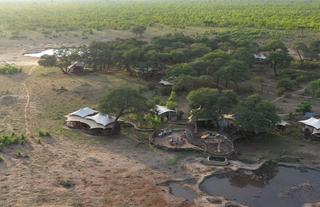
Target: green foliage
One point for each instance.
(10, 69)
(279, 58)
(138, 30)
(188, 83)
(100, 15)
(313, 88)
(172, 101)
(12, 139)
(121, 101)
(43, 133)
(179, 70)
(48, 60)
(286, 84)
(256, 116)
(209, 103)
(304, 107)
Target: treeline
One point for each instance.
(97, 15)
(191, 62)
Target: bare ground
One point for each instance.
(70, 168)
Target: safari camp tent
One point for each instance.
(76, 67)
(260, 57)
(166, 113)
(165, 83)
(91, 121)
(311, 127)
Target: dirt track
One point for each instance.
(72, 169)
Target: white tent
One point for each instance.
(312, 122)
(84, 112)
(104, 120)
(163, 109)
(165, 83)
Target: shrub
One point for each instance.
(10, 69)
(12, 139)
(304, 107)
(286, 84)
(313, 88)
(165, 91)
(47, 60)
(172, 100)
(43, 133)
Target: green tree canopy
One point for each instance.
(121, 101)
(279, 58)
(211, 104)
(256, 116)
(138, 30)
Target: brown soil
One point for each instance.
(70, 168)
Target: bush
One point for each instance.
(12, 139)
(286, 84)
(304, 107)
(313, 88)
(165, 91)
(10, 69)
(47, 60)
(43, 133)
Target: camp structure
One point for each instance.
(282, 125)
(91, 121)
(76, 67)
(165, 83)
(260, 57)
(311, 127)
(166, 113)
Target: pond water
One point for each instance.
(39, 54)
(279, 186)
(179, 189)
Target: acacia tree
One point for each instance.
(256, 116)
(122, 101)
(300, 48)
(314, 49)
(235, 71)
(279, 58)
(138, 30)
(211, 103)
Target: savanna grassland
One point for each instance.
(43, 163)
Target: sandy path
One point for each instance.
(63, 171)
(27, 98)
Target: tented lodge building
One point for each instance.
(91, 121)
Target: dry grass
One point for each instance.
(71, 168)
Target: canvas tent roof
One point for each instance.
(166, 83)
(163, 109)
(260, 56)
(282, 123)
(84, 112)
(99, 118)
(312, 122)
(92, 124)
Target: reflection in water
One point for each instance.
(258, 178)
(275, 186)
(179, 189)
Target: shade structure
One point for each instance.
(312, 122)
(84, 112)
(163, 109)
(101, 119)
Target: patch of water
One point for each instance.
(277, 187)
(179, 189)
